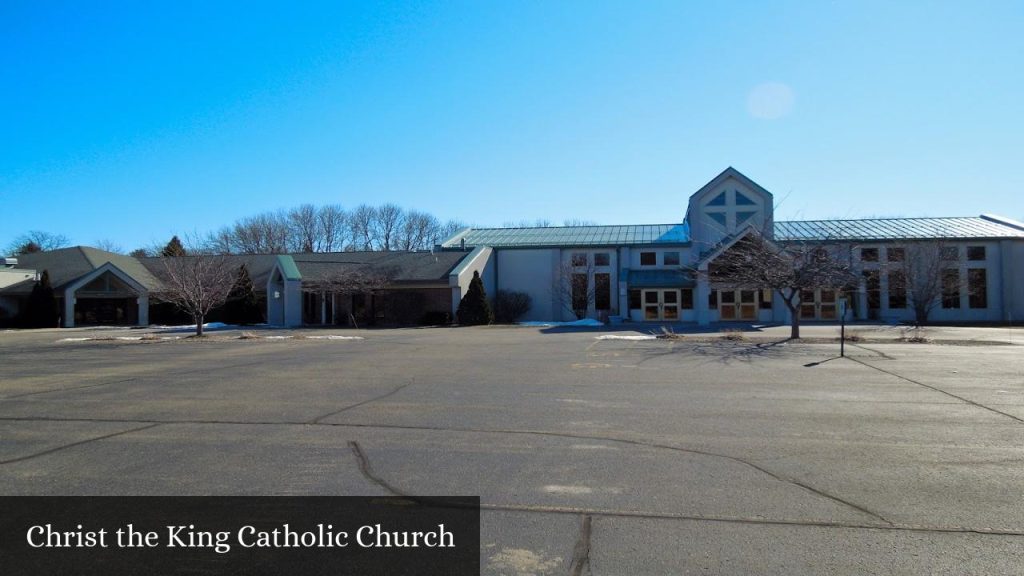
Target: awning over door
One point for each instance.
(660, 279)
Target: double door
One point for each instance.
(661, 304)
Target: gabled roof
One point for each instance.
(405, 266)
(554, 236)
(66, 265)
(731, 172)
(981, 227)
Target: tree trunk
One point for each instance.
(199, 325)
(794, 313)
(920, 316)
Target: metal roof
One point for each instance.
(572, 236)
(867, 229)
(896, 228)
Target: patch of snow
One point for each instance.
(73, 339)
(190, 327)
(626, 337)
(276, 337)
(128, 338)
(570, 490)
(335, 337)
(583, 322)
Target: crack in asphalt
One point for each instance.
(367, 470)
(776, 476)
(79, 443)
(69, 389)
(581, 551)
(318, 419)
(940, 391)
(632, 442)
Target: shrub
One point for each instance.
(733, 334)
(242, 305)
(41, 310)
(474, 308)
(510, 306)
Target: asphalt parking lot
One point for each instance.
(590, 456)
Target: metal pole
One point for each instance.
(842, 327)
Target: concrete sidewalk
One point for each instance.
(818, 331)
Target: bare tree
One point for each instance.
(419, 231)
(197, 284)
(755, 262)
(36, 241)
(353, 279)
(362, 223)
(220, 242)
(538, 223)
(108, 245)
(923, 265)
(332, 220)
(449, 228)
(389, 223)
(267, 233)
(578, 222)
(572, 288)
(304, 224)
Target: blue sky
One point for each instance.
(131, 121)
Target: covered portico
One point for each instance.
(106, 296)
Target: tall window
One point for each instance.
(648, 258)
(873, 285)
(977, 288)
(687, 300)
(951, 288)
(602, 291)
(580, 301)
(897, 289)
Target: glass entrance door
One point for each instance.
(661, 304)
(737, 305)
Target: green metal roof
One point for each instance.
(288, 268)
(572, 236)
(671, 278)
(898, 229)
(984, 226)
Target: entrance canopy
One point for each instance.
(661, 279)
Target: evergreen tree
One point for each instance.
(173, 248)
(242, 306)
(41, 310)
(474, 308)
